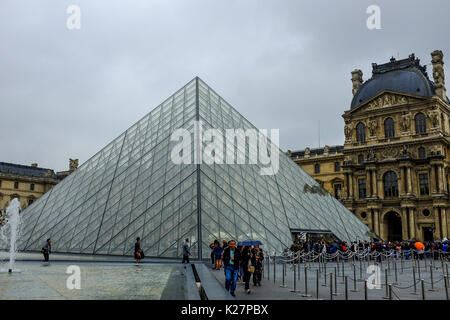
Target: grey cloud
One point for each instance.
(282, 64)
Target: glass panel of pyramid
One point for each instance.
(132, 188)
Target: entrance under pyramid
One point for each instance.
(132, 188)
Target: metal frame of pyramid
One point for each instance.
(131, 188)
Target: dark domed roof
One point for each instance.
(406, 76)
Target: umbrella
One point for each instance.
(419, 245)
(250, 242)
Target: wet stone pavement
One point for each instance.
(99, 280)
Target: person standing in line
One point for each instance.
(46, 249)
(186, 252)
(218, 255)
(213, 261)
(231, 260)
(257, 261)
(138, 252)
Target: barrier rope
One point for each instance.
(311, 256)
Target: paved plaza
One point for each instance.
(402, 288)
(159, 279)
(99, 280)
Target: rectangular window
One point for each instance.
(30, 201)
(32, 186)
(0, 183)
(317, 168)
(16, 185)
(423, 184)
(360, 159)
(337, 166)
(362, 188)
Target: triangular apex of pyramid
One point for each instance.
(133, 188)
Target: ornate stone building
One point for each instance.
(392, 171)
(27, 183)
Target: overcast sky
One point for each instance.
(282, 64)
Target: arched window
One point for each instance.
(420, 121)
(389, 129)
(360, 132)
(422, 153)
(390, 184)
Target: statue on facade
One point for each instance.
(307, 152)
(434, 118)
(371, 155)
(348, 130)
(373, 125)
(404, 150)
(405, 122)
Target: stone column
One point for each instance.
(380, 189)
(409, 180)
(441, 177)
(368, 185)
(437, 225)
(444, 175)
(377, 221)
(345, 187)
(401, 186)
(350, 185)
(444, 223)
(374, 184)
(412, 223)
(433, 179)
(404, 224)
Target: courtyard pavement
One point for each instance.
(403, 289)
(99, 280)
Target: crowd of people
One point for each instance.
(240, 262)
(434, 249)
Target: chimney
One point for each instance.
(34, 165)
(438, 74)
(357, 80)
(73, 164)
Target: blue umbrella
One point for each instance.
(250, 242)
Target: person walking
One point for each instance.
(138, 252)
(186, 252)
(245, 264)
(257, 262)
(46, 249)
(231, 259)
(240, 271)
(224, 245)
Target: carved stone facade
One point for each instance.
(27, 183)
(393, 171)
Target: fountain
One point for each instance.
(13, 226)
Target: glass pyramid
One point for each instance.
(132, 188)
